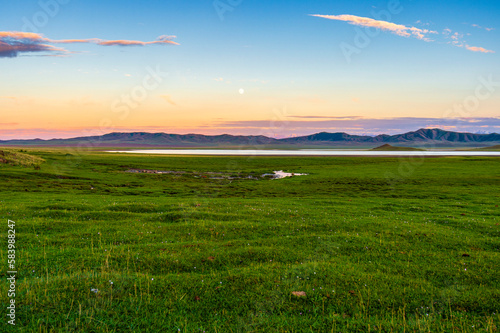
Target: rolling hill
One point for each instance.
(421, 137)
(388, 147)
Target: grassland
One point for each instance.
(377, 244)
(19, 158)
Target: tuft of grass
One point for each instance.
(20, 158)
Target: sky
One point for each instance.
(71, 68)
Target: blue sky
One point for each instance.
(257, 67)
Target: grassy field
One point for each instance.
(19, 158)
(376, 244)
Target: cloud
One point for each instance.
(13, 44)
(394, 28)
(478, 49)
(272, 127)
(75, 41)
(480, 27)
(359, 125)
(159, 40)
(327, 117)
(456, 39)
(423, 23)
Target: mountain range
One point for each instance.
(421, 137)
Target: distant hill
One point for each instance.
(388, 147)
(436, 137)
(420, 136)
(141, 139)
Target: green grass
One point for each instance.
(19, 158)
(377, 244)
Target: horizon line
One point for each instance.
(249, 135)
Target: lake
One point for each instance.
(306, 152)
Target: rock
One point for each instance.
(299, 293)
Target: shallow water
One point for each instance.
(306, 152)
(281, 174)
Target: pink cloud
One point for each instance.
(478, 49)
(160, 40)
(481, 27)
(457, 39)
(394, 28)
(13, 43)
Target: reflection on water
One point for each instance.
(281, 174)
(218, 175)
(325, 152)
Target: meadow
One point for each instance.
(376, 244)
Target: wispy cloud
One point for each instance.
(327, 118)
(480, 27)
(285, 128)
(159, 40)
(13, 44)
(455, 38)
(423, 23)
(478, 49)
(397, 29)
(360, 125)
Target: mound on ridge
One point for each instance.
(388, 147)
